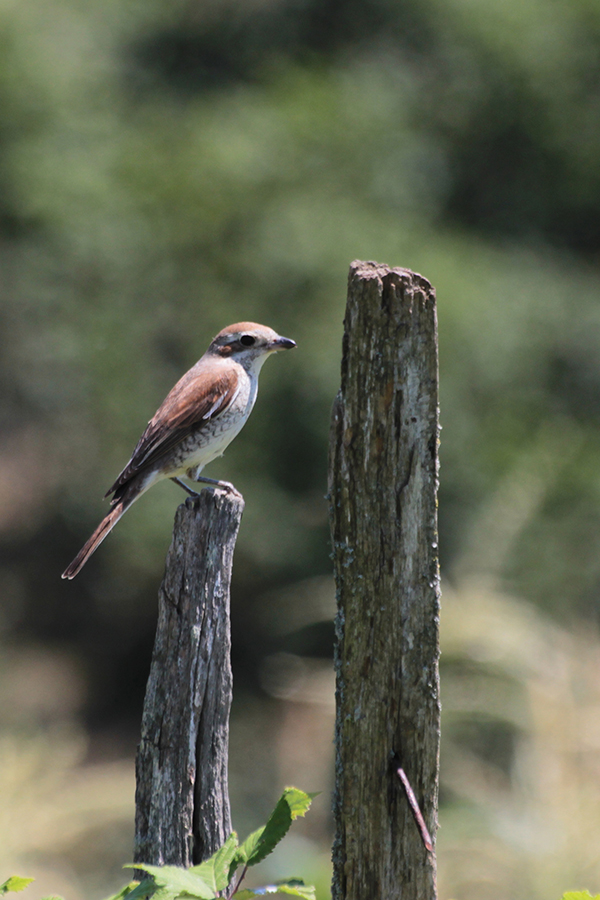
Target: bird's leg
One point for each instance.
(226, 485)
(185, 487)
(194, 475)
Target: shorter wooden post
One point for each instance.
(182, 800)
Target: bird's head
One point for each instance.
(248, 343)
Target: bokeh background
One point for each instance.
(167, 168)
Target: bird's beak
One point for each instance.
(283, 343)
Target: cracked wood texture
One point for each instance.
(182, 799)
(382, 483)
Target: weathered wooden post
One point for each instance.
(383, 482)
(182, 800)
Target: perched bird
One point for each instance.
(198, 419)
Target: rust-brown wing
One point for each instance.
(197, 398)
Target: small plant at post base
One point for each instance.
(221, 875)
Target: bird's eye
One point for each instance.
(247, 340)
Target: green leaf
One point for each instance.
(294, 888)
(299, 801)
(215, 871)
(207, 879)
(15, 883)
(206, 873)
(246, 850)
(136, 890)
(174, 880)
(260, 843)
(580, 895)
(168, 893)
(125, 891)
(308, 891)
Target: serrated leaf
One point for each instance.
(15, 883)
(292, 803)
(299, 801)
(176, 880)
(215, 870)
(250, 845)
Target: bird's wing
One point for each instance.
(195, 399)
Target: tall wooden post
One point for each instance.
(383, 482)
(182, 800)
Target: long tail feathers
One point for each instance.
(104, 528)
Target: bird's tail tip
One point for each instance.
(103, 529)
(82, 557)
(71, 571)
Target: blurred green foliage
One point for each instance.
(169, 168)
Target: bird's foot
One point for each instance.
(225, 485)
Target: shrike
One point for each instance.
(198, 419)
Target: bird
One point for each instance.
(198, 419)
